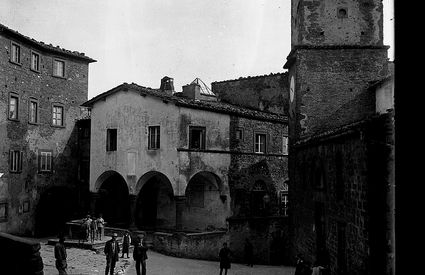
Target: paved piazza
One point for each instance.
(86, 262)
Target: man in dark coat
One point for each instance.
(140, 256)
(224, 256)
(248, 252)
(60, 255)
(112, 250)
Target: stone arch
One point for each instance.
(206, 202)
(113, 199)
(155, 204)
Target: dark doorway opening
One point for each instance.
(114, 201)
(54, 209)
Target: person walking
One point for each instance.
(93, 229)
(302, 267)
(112, 250)
(140, 256)
(248, 252)
(100, 226)
(224, 256)
(60, 256)
(126, 241)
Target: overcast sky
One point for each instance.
(143, 40)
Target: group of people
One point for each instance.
(92, 228)
(320, 266)
(111, 250)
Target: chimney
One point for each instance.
(167, 85)
(192, 91)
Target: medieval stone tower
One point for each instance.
(336, 50)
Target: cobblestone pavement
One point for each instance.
(87, 262)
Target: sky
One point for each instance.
(142, 41)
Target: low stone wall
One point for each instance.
(20, 255)
(205, 245)
(268, 235)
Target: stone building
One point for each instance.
(264, 92)
(341, 131)
(42, 88)
(166, 162)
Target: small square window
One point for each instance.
(260, 143)
(154, 137)
(15, 53)
(45, 160)
(196, 137)
(15, 161)
(57, 115)
(59, 68)
(3, 211)
(13, 107)
(111, 139)
(33, 111)
(35, 61)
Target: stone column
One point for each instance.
(180, 203)
(132, 201)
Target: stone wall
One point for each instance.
(348, 175)
(330, 22)
(267, 93)
(22, 190)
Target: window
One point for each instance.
(33, 111)
(260, 143)
(283, 202)
(58, 68)
(342, 13)
(13, 106)
(3, 211)
(154, 137)
(285, 145)
(15, 161)
(35, 61)
(45, 160)
(26, 206)
(15, 53)
(239, 134)
(57, 115)
(196, 137)
(111, 139)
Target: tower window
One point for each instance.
(342, 13)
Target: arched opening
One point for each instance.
(55, 207)
(205, 205)
(260, 199)
(155, 207)
(113, 201)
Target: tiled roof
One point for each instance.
(213, 106)
(46, 47)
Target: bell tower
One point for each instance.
(336, 51)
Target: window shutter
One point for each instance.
(39, 161)
(10, 160)
(159, 138)
(20, 161)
